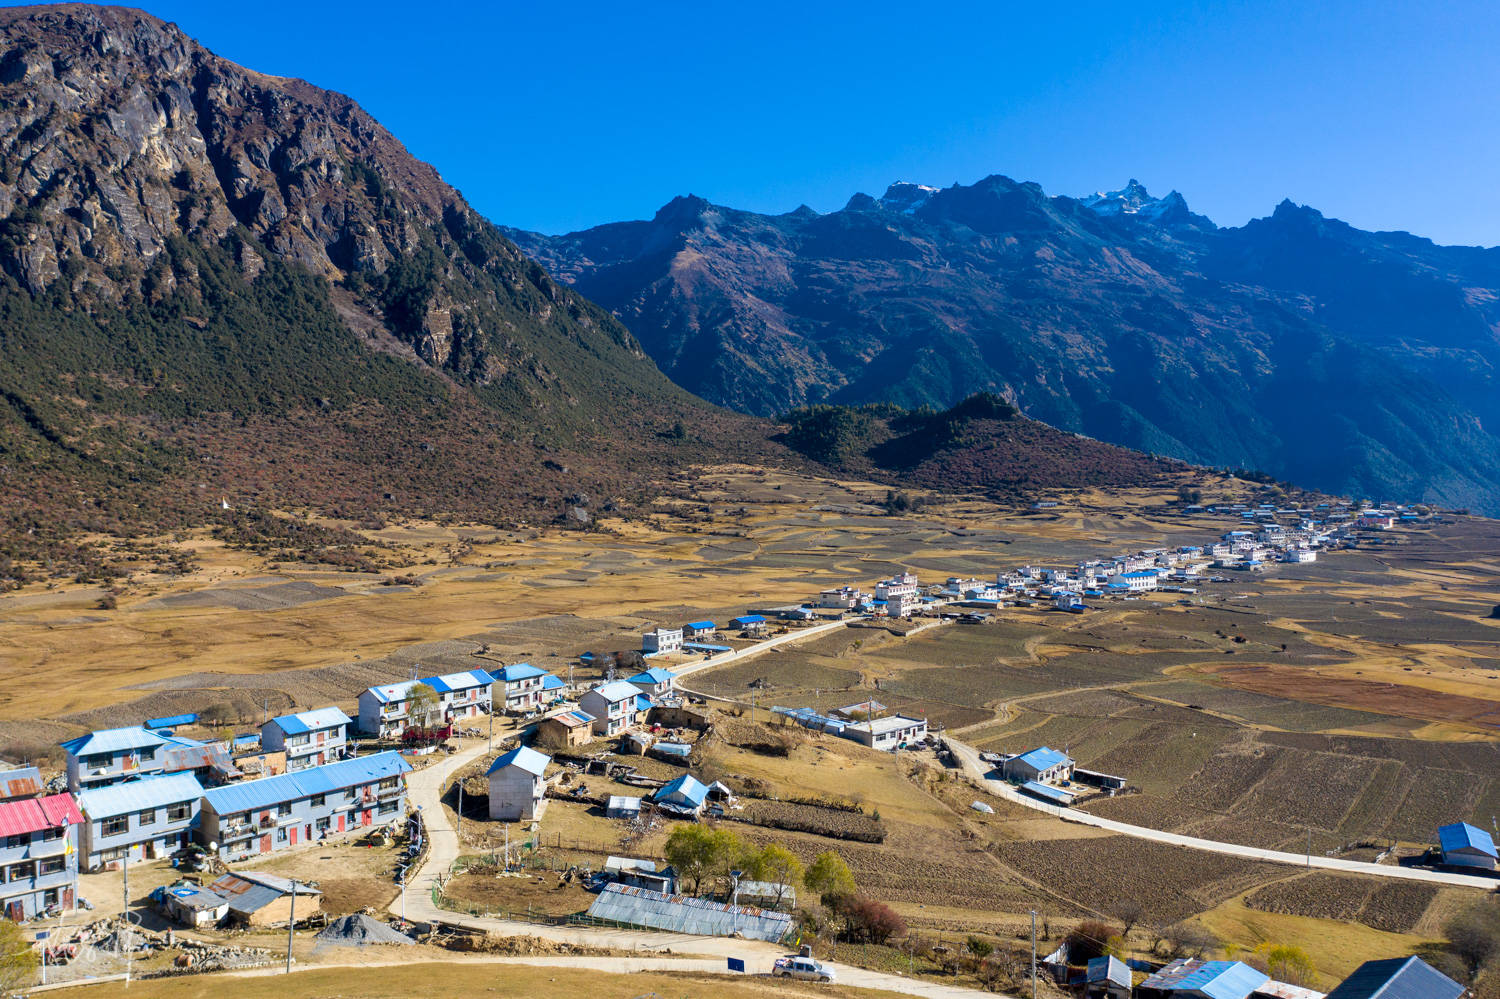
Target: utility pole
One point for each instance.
(291, 925)
(125, 913)
(1309, 846)
(1033, 954)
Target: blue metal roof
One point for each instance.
(748, 619)
(171, 721)
(139, 795)
(642, 702)
(655, 674)
(1214, 979)
(1138, 574)
(1462, 836)
(518, 671)
(310, 721)
(449, 682)
(525, 757)
(113, 740)
(249, 795)
(1050, 793)
(686, 789)
(699, 625)
(616, 690)
(1397, 978)
(1043, 758)
(1108, 969)
(550, 682)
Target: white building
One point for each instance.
(901, 604)
(612, 706)
(518, 786)
(897, 586)
(843, 598)
(309, 738)
(520, 687)
(1138, 581)
(662, 640)
(385, 710)
(1299, 555)
(887, 733)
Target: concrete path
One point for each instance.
(790, 638)
(978, 772)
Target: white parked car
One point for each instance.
(804, 968)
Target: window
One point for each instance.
(386, 808)
(114, 827)
(318, 800)
(52, 865)
(281, 835)
(148, 817)
(285, 808)
(16, 842)
(49, 897)
(323, 824)
(179, 812)
(52, 833)
(21, 872)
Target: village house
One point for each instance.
(145, 819)
(521, 687)
(612, 706)
(684, 795)
(902, 605)
(904, 585)
(261, 816)
(208, 761)
(1041, 765)
(384, 711)
(841, 598)
(309, 738)
(659, 641)
(38, 855)
(20, 782)
(1299, 555)
(1397, 978)
(655, 682)
(256, 900)
(1106, 978)
(112, 755)
(1138, 580)
(887, 733)
(518, 785)
(565, 730)
(699, 631)
(1464, 845)
(1190, 978)
(751, 624)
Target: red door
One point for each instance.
(292, 832)
(67, 898)
(265, 844)
(367, 818)
(341, 821)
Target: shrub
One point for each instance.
(1088, 940)
(869, 921)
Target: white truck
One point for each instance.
(804, 968)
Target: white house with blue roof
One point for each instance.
(661, 641)
(612, 706)
(384, 711)
(522, 687)
(1042, 765)
(699, 631)
(261, 816)
(145, 819)
(112, 755)
(656, 681)
(309, 738)
(1464, 845)
(518, 785)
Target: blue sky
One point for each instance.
(558, 116)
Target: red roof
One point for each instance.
(17, 818)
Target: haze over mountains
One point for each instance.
(1352, 361)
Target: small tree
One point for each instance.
(1286, 963)
(422, 704)
(1088, 940)
(869, 921)
(1474, 935)
(699, 852)
(18, 960)
(829, 877)
(1189, 940)
(775, 863)
(1128, 911)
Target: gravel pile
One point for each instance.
(359, 930)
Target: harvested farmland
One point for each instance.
(1395, 906)
(835, 823)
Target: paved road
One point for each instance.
(978, 772)
(425, 788)
(791, 637)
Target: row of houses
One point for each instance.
(1193, 978)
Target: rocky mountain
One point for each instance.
(220, 284)
(1352, 361)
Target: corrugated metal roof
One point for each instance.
(1043, 758)
(1462, 836)
(686, 790)
(139, 795)
(467, 680)
(310, 721)
(656, 674)
(198, 758)
(616, 690)
(1215, 979)
(683, 914)
(572, 719)
(18, 818)
(748, 619)
(1284, 990)
(1397, 978)
(550, 682)
(249, 795)
(388, 692)
(642, 702)
(700, 625)
(525, 757)
(113, 740)
(1108, 969)
(22, 782)
(1056, 794)
(171, 721)
(623, 803)
(519, 671)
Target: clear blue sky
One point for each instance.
(557, 116)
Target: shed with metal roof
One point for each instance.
(631, 906)
(1397, 978)
(1465, 845)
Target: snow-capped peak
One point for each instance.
(1133, 199)
(906, 197)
